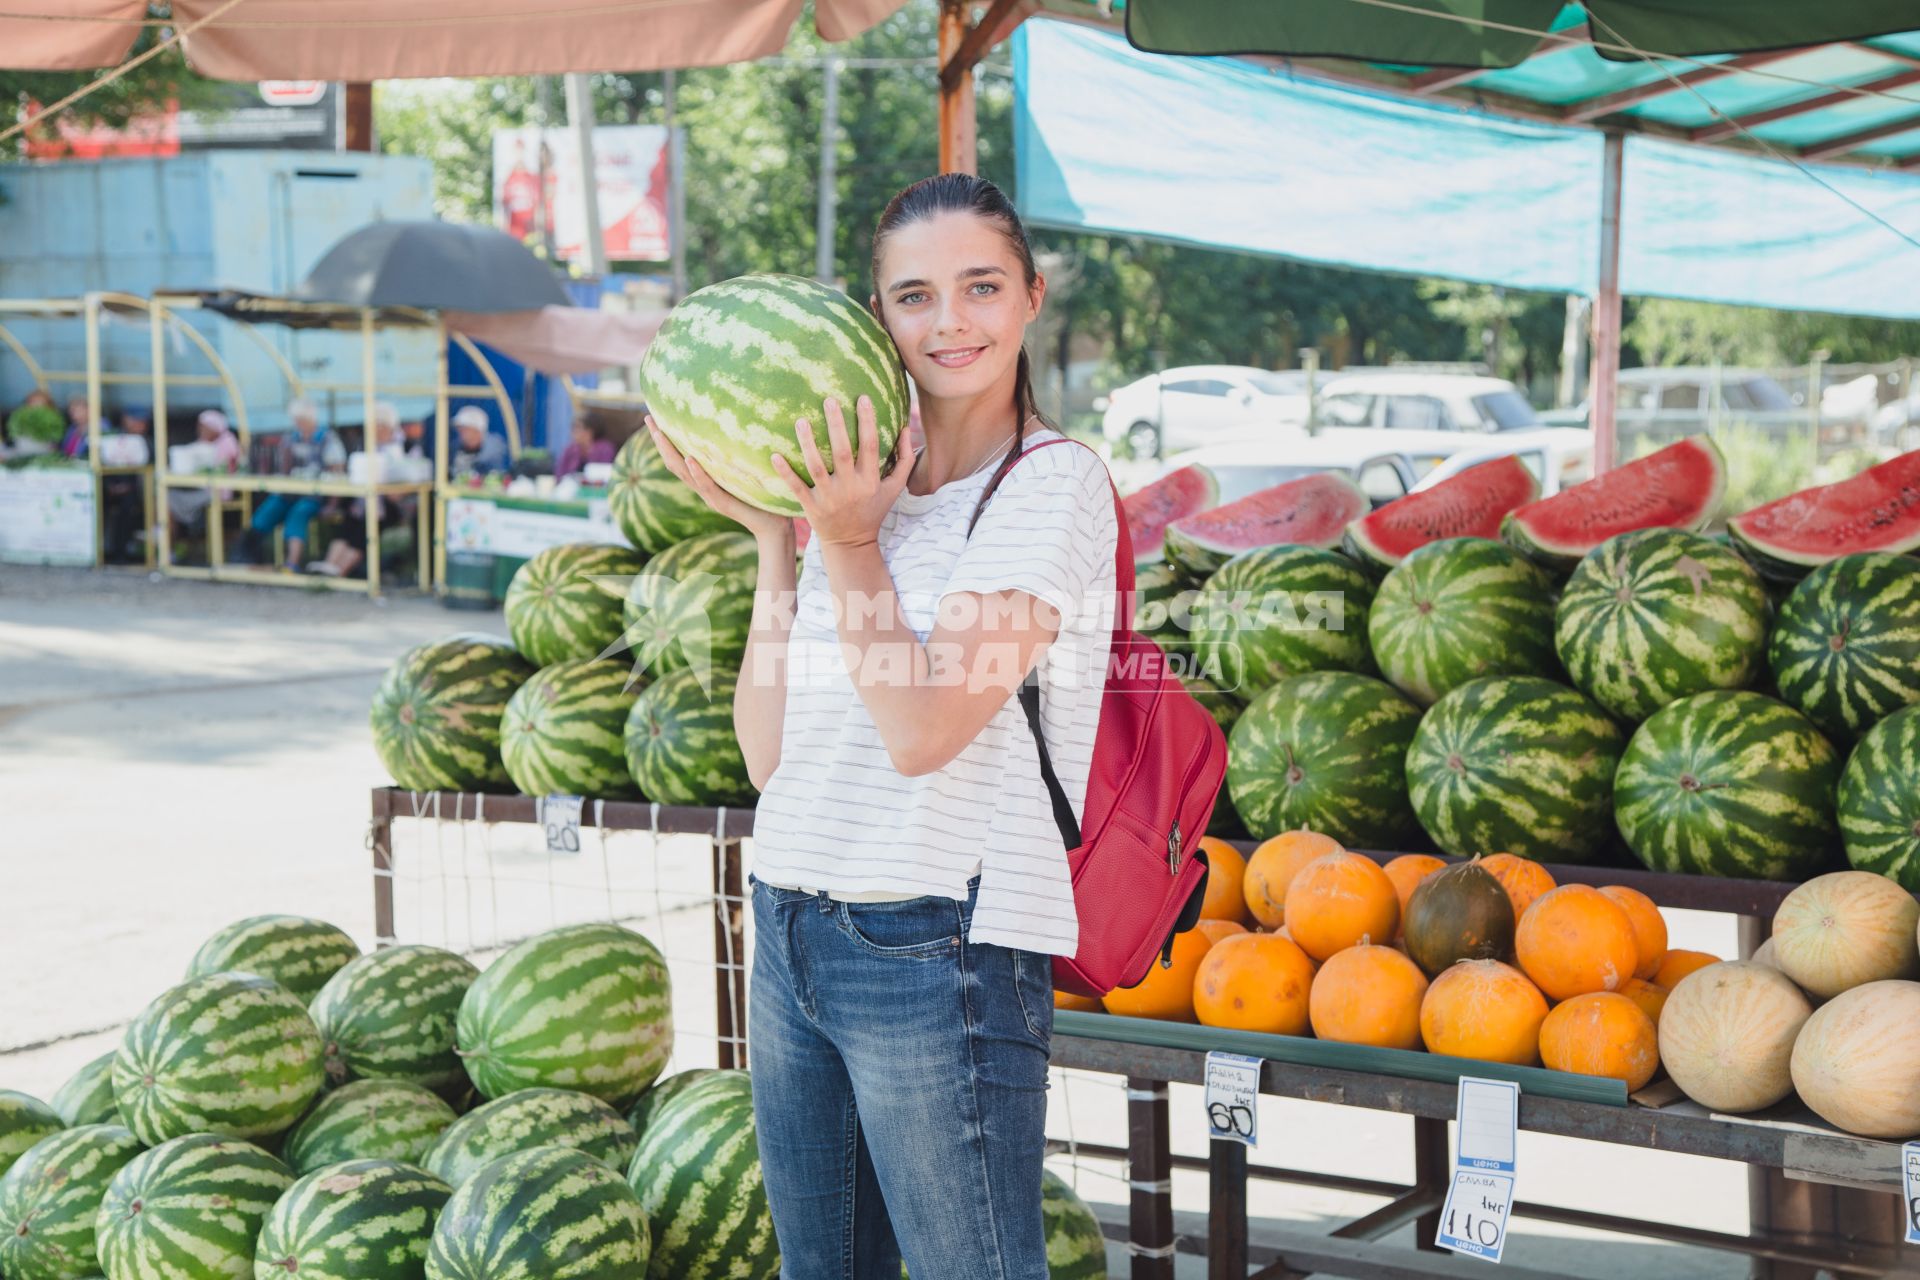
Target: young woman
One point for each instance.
(909, 883)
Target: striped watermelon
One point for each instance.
(190, 1209)
(681, 747)
(565, 602)
(653, 507)
(390, 1016)
(50, 1197)
(663, 1091)
(1326, 751)
(297, 953)
(1163, 606)
(24, 1120)
(549, 1213)
(738, 363)
(1657, 615)
(369, 1120)
(1845, 649)
(1515, 764)
(1879, 800)
(1076, 1248)
(1458, 609)
(562, 733)
(361, 1220)
(87, 1096)
(585, 1007)
(1729, 783)
(1283, 611)
(694, 604)
(697, 1174)
(436, 715)
(532, 1118)
(230, 1054)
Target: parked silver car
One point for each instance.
(1200, 404)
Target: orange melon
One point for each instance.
(1652, 999)
(1575, 940)
(1254, 982)
(1226, 868)
(1727, 1033)
(1523, 879)
(1272, 868)
(1601, 1033)
(1678, 964)
(1406, 872)
(1484, 1009)
(1649, 928)
(1218, 929)
(1857, 1061)
(1166, 994)
(1078, 1004)
(1338, 901)
(1368, 995)
(1846, 928)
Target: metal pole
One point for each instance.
(370, 444)
(829, 175)
(159, 524)
(676, 187)
(93, 429)
(1310, 361)
(580, 114)
(1606, 312)
(356, 116)
(1572, 338)
(958, 128)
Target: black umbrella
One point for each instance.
(432, 265)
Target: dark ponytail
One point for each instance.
(969, 193)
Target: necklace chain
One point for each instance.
(991, 455)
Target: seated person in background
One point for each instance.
(476, 450)
(416, 437)
(586, 446)
(74, 443)
(344, 554)
(307, 450)
(125, 494)
(188, 507)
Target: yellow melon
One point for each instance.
(1845, 928)
(1857, 1061)
(1727, 1033)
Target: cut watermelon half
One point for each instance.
(1678, 487)
(1877, 510)
(1186, 492)
(1312, 511)
(1469, 505)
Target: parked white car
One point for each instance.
(1199, 405)
(1432, 416)
(1246, 468)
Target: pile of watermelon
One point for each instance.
(301, 1109)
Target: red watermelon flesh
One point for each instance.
(1312, 511)
(1469, 505)
(1186, 492)
(1877, 510)
(1678, 487)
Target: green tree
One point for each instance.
(1665, 331)
(163, 78)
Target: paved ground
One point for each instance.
(176, 755)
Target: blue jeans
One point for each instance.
(296, 513)
(899, 1089)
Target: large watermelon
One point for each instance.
(436, 715)
(1163, 606)
(1515, 764)
(1326, 751)
(548, 1213)
(693, 606)
(1312, 511)
(563, 733)
(190, 1209)
(532, 1118)
(1845, 649)
(368, 1120)
(566, 602)
(390, 1016)
(297, 953)
(87, 1096)
(681, 746)
(50, 1198)
(650, 505)
(1175, 496)
(1283, 611)
(230, 1054)
(738, 363)
(1076, 1247)
(1469, 505)
(1678, 487)
(663, 1091)
(1729, 783)
(361, 1220)
(1879, 800)
(1657, 615)
(1456, 610)
(1877, 510)
(24, 1120)
(697, 1173)
(585, 1007)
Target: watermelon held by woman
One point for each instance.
(1877, 510)
(1678, 487)
(1469, 505)
(1312, 511)
(1175, 496)
(738, 363)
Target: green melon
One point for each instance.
(1657, 615)
(1163, 606)
(360, 1220)
(681, 745)
(1459, 912)
(50, 1198)
(1879, 800)
(390, 1016)
(1515, 764)
(1076, 1248)
(436, 715)
(563, 732)
(697, 1174)
(585, 1007)
(548, 1213)
(1283, 611)
(532, 1118)
(190, 1209)
(87, 1096)
(1326, 751)
(693, 606)
(1729, 784)
(230, 1054)
(650, 505)
(1845, 649)
(1458, 609)
(297, 953)
(369, 1120)
(663, 1091)
(565, 603)
(24, 1120)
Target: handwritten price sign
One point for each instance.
(1233, 1091)
(560, 816)
(1910, 1167)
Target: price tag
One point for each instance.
(560, 816)
(1910, 1167)
(1475, 1219)
(1480, 1200)
(1233, 1092)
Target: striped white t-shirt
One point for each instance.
(837, 816)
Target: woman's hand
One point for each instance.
(761, 524)
(846, 505)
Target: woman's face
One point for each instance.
(954, 296)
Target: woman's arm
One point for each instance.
(760, 698)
